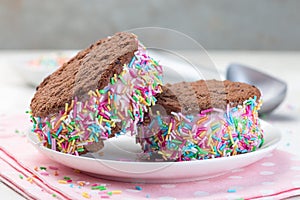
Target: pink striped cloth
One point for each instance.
(33, 175)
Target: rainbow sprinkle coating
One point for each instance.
(212, 133)
(115, 109)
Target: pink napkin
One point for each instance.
(27, 171)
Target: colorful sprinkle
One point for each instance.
(67, 178)
(116, 192)
(29, 179)
(138, 187)
(62, 182)
(104, 196)
(44, 173)
(53, 167)
(82, 183)
(99, 187)
(85, 195)
(216, 133)
(231, 190)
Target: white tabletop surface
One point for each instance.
(16, 95)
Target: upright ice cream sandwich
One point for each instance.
(103, 91)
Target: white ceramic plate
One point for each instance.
(120, 161)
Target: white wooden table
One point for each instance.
(16, 96)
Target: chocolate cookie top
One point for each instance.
(192, 97)
(90, 69)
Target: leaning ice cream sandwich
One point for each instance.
(103, 91)
(202, 120)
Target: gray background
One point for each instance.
(216, 24)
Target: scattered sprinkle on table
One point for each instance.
(116, 192)
(62, 182)
(30, 180)
(67, 178)
(44, 173)
(99, 187)
(85, 195)
(138, 187)
(231, 190)
(53, 167)
(81, 183)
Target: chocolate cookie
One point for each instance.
(90, 69)
(192, 97)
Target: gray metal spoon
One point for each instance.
(273, 89)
